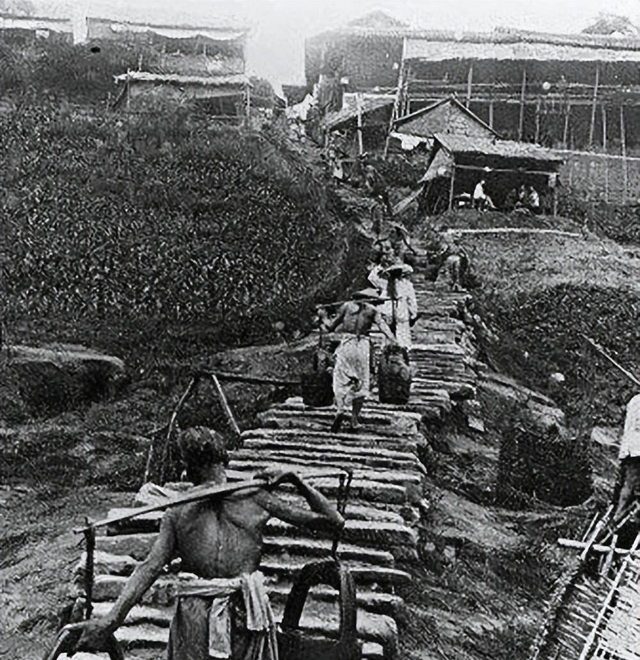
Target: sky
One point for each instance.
(280, 27)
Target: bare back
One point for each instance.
(220, 538)
(357, 318)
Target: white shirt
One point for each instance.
(478, 193)
(630, 443)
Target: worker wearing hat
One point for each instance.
(401, 310)
(351, 373)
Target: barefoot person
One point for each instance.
(351, 375)
(401, 311)
(628, 490)
(221, 542)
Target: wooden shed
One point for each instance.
(457, 163)
(447, 116)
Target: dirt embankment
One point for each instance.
(541, 293)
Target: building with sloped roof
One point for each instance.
(447, 116)
(537, 87)
(457, 163)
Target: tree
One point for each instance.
(19, 7)
(612, 24)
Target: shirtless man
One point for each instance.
(351, 376)
(220, 541)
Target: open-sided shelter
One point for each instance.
(457, 163)
(365, 115)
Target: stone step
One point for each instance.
(305, 444)
(406, 443)
(399, 540)
(370, 474)
(322, 422)
(148, 627)
(455, 389)
(371, 407)
(383, 421)
(437, 400)
(352, 459)
(377, 492)
(137, 546)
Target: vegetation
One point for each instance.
(161, 230)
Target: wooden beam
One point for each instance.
(623, 144)
(594, 106)
(522, 96)
(565, 134)
(396, 103)
(451, 186)
(537, 134)
(359, 124)
(604, 147)
(596, 547)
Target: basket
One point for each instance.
(295, 644)
(317, 383)
(394, 375)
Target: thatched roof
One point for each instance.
(497, 36)
(471, 48)
(236, 80)
(458, 145)
(349, 112)
(221, 30)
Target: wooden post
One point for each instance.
(451, 187)
(359, 124)
(396, 103)
(469, 83)
(537, 135)
(522, 94)
(594, 106)
(491, 113)
(604, 148)
(565, 134)
(623, 142)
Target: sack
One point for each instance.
(394, 375)
(293, 643)
(317, 383)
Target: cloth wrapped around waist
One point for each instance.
(259, 615)
(351, 373)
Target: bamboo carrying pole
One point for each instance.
(618, 366)
(203, 494)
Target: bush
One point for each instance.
(161, 231)
(543, 332)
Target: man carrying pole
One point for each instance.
(219, 540)
(351, 372)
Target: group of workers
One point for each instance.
(390, 304)
(525, 198)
